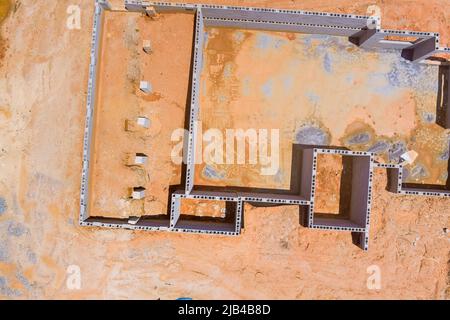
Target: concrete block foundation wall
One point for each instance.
(358, 220)
(213, 226)
(364, 31)
(195, 83)
(90, 106)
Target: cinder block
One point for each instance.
(145, 87)
(143, 122)
(136, 159)
(147, 46)
(151, 11)
(133, 220)
(138, 193)
(137, 124)
(140, 158)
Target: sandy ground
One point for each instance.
(5, 8)
(203, 208)
(42, 101)
(329, 184)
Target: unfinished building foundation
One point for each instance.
(364, 31)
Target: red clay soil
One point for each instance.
(42, 102)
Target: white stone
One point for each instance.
(138, 193)
(145, 87)
(140, 159)
(133, 220)
(143, 122)
(147, 46)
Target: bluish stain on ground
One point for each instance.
(211, 173)
(312, 136)
(413, 75)
(31, 256)
(309, 37)
(379, 147)
(402, 74)
(6, 290)
(266, 41)
(378, 82)
(360, 138)
(323, 44)
(263, 41)
(16, 229)
(3, 206)
(328, 41)
(306, 41)
(279, 43)
(23, 280)
(327, 63)
(4, 257)
(266, 88)
(396, 150)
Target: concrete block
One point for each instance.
(133, 220)
(143, 122)
(145, 87)
(138, 193)
(147, 46)
(136, 159)
(140, 158)
(151, 11)
(137, 124)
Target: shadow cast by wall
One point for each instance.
(442, 102)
